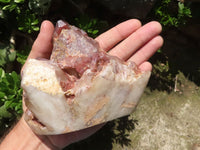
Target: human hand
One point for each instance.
(137, 43)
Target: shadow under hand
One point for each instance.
(116, 131)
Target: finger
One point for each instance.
(136, 40)
(144, 53)
(113, 36)
(42, 46)
(146, 66)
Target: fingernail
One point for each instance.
(43, 26)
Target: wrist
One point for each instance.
(22, 137)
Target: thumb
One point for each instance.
(42, 46)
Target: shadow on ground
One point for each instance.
(113, 132)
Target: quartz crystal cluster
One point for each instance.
(80, 86)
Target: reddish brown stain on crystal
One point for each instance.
(59, 26)
(75, 52)
(97, 106)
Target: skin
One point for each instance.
(130, 41)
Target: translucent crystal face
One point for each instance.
(74, 49)
(80, 86)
